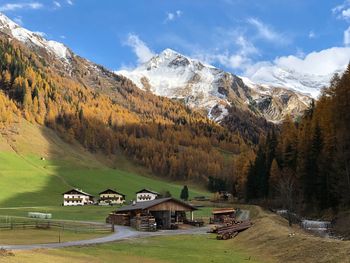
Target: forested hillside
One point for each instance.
(107, 113)
(307, 165)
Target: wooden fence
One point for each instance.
(77, 227)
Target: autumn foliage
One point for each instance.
(112, 115)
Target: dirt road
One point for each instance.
(121, 233)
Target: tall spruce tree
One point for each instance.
(184, 193)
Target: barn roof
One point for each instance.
(223, 211)
(145, 190)
(111, 190)
(148, 204)
(78, 191)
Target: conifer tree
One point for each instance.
(184, 193)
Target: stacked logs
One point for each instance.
(231, 230)
(118, 219)
(145, 223)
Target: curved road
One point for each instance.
(121, 233)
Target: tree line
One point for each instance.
(305, 165)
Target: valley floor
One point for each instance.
(269, 240)
(36, 167)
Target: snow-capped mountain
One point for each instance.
(175, 76)
(172, 75)
(302, 82)
(205, 87)
(14, 30)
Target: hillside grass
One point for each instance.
(29, 183)
(176, 249)
(41, 236)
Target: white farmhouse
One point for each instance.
(111, 197)
(146, 195)
(77, 197)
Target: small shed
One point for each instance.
(223, 215)
(165, 213)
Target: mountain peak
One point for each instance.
(9, 27)
(169, 52)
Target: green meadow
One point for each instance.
(172, 249)
(31, 184)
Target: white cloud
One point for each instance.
(346, 13)
(267, 33)
(342, 11)
(22, 5)
(63, 36)
(141, 50)
(171, 16)
(239, 59)
(322, 63)
(56, 4)
(347, 37)
(312, 34)
(69, 2)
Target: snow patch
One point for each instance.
(26, 36)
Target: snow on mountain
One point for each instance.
(11, 28)
(202, 86)
(302, 82)
(173, 75)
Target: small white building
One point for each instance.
(76, 197)
(146, 195)
(111, 197)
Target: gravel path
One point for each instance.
(121, 233)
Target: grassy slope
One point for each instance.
(31, 236)
(177, 249)
(28, 181)
(269, 238)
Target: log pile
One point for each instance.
(223, 216)
(145, 223)
(118, 219)
(230, 231)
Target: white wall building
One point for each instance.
(77, 197)
(146, 195)
(111, 197)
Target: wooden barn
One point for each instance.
(162, 213)
(223, 215)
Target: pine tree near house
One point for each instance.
(184, 193)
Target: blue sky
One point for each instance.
(236, 35)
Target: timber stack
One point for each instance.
(230, 231)
(118, 219)
(144, 222)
